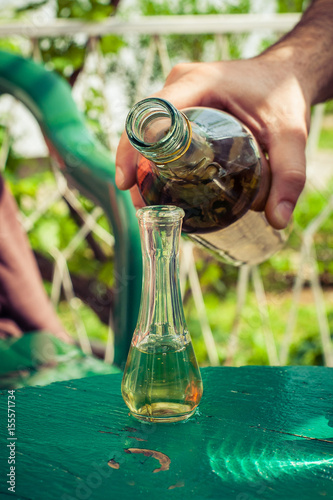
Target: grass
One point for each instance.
(326, 139)
(305, 347)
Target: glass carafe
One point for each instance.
(208, 163)
(161, 381)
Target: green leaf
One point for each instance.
(48, 234)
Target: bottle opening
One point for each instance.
(151, 121)
(158, 130)
(163, 213)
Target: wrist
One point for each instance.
(306, 52)
(286, 63)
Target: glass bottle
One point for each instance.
(161, 381)
(208, 163)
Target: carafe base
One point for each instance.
(163, 412)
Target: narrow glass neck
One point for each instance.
(158, 130)
(161, 311)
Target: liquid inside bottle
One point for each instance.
(162, 381)
(214, 174)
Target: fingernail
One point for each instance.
(283, 212)
(120, 178)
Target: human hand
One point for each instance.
(267, 97)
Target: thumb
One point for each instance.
(126, 159)
(288, 164)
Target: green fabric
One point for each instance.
(89, 166)
(40, 359)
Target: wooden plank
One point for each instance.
(260, 433)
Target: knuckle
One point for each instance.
(300, 134)
(178, 71)
(295, 177)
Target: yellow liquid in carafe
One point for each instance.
(162, 380)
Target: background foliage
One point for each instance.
(91, 267)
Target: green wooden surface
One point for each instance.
(39, 358)
(260, 433)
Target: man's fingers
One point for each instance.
(136, 197)
(126, 160)
(264, 186)
(181, 95)
(191, 84)
(287, 161)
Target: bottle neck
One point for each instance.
(158, 130)
(161, 311)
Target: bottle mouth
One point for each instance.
(149, 113)
(160, 213)
(158, 130)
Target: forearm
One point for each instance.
(23, 301)
(307, 51)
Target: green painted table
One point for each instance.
(260, 433)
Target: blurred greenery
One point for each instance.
(218, 281)
(326, 139)
(285, 6)
(278, 276)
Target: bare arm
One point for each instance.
(309, 47)
(271, 93)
